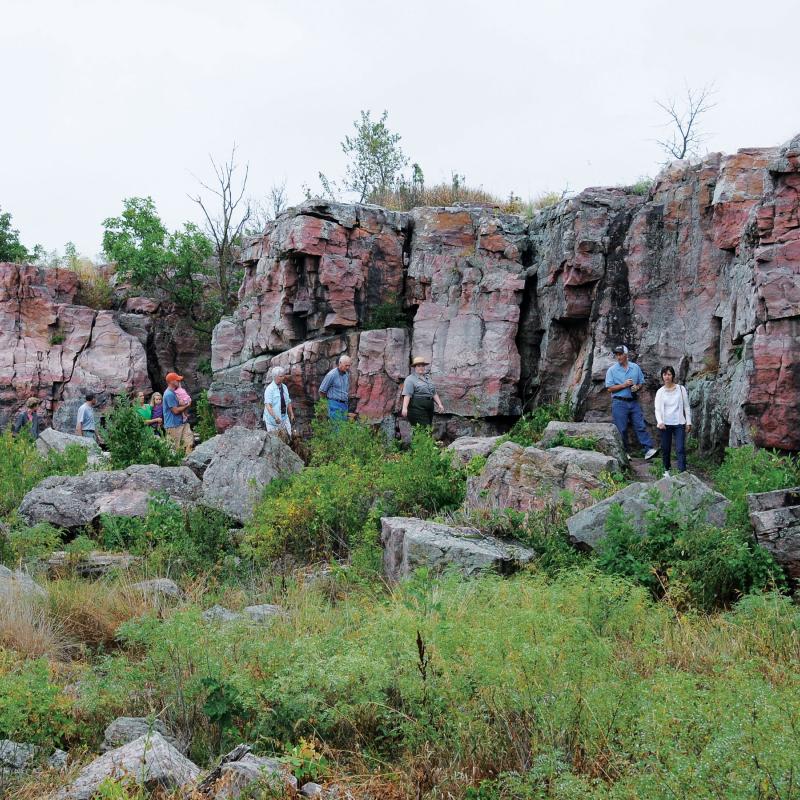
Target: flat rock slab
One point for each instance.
(588, 526)
(259, 613)
(236, 466)
(75, 501)
(409, 543)
(604, 433)
(89, 565)
(150, 761)
(531, 478)
(775, 517)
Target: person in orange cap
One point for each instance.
(175, 424)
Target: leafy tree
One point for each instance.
(376, 157)
(11, 249)
(149, 256)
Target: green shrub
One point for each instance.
(476, 465)
(33, 708)
(34, 543)
(21, 467)
(529, 428)
(746, 470)
(698, 564)
(562, 439)
(389, 314)
(130, 441)
(206, 427)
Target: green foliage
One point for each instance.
(577, 686)
(186, 540)
(696, 563)
(529, 428)
(374, 156)
(33, 708)
(21, 467)
(306, 762)
(206, 427)
(561, 439)
(354, 477)
(386, 315)
(11, 249)
(33, 543)
(747, 470)
(150, 257)
(476, 465)
(641, 187)
(130, 441)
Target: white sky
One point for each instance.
(108, 99)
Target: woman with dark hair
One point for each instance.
(674, 418)
(28, 418)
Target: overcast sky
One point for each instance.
(106, 100)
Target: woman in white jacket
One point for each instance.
(674, 418)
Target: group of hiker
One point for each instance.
(168, 414)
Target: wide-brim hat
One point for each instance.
(418, 360)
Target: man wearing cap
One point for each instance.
(178, 430)
(335, 387)
(278, 413)
(419, 395)
(623, 379)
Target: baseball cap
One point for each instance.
(620, 348)
(173, 376)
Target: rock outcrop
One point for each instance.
(74, 501)
(54, 349)
(775, 517)
(701, 273)
(530, 478)
(15, 583)
(465, 448)
(409, 543)
(588, 526)
(605, 436)
(237, 465)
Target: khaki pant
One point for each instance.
(181, 437)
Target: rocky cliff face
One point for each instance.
(701, 273)
(56, 349)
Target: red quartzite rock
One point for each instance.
(56, 350)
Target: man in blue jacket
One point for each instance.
(623, 380)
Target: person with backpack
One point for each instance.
(674, 419)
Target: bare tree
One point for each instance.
(685, 135)
(265, 210)
(227, 221)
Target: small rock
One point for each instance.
(16, 756)
(311, 789)
(20, 584)
(237, 777)
(150, 761)
(220, 614)
(264, 613)
(124, 730)
(159, 587)
(58, 759)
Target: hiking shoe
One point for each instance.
(650, 453)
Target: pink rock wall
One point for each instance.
(701, 273)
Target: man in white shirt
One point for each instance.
(278, 412)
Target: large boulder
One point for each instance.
(409, 543)
(51, 440)
(605, 435)
(150, 761)
(465, 448)
(236, 466)
(588, 526)
(75, 501)
(529, 478)
(775, 517)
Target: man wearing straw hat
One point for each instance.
(419, 395)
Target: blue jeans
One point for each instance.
(337, 410)
(679, 432)
(624, 413)
(89, 435)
